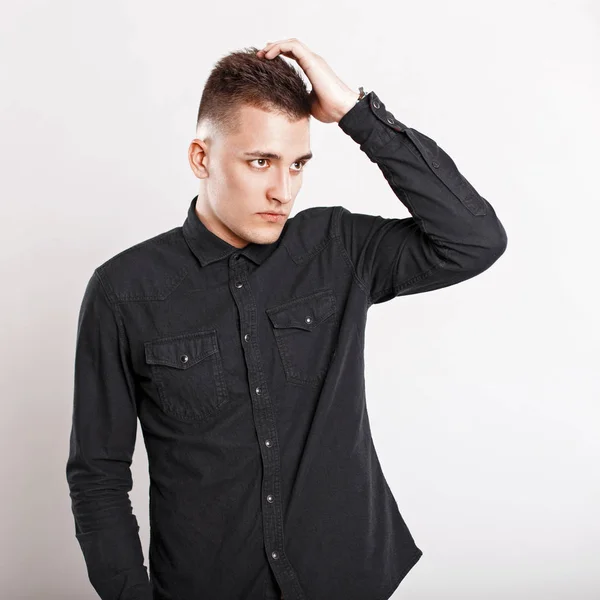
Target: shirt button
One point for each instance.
(435, 164)
(268, 443)
(258, 390)
(308, 320)
(375, 104)
(270, 498)
(239, 284)
(246, 337)
(184, 358)
(275, 555)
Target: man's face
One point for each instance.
(237, 183)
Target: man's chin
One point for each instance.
(267, 237)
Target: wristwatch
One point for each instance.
(361, 94)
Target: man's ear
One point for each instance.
(198, 158)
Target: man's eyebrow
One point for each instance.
(274, 156)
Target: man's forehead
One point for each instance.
(272, 133)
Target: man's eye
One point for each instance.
(263, 159)
(302, 163)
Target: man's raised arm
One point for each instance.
(453, 233)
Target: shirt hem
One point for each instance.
(414, 559)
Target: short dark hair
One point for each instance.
(242, 78)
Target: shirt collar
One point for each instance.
(208, 247)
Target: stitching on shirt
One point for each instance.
(124, 344)
(378, 139)
(407, 143)
(172, 282)
(472, 200)
(300, 258)
(398, 288)
(161, 238)
(337, 238)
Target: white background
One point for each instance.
(484, 397)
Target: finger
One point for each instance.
(269, 45)
(268, 48)
(296, 50)
(262, 51)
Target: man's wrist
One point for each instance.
(348, 105)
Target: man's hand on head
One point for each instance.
(331, 98)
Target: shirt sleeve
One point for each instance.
(104, 424)
(453, 233)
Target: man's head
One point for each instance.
(250, 106)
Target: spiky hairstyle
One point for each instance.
(242, 78)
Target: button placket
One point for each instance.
(264, 420)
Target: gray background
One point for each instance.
(483, 397)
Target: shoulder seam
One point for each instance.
(157, 238)
(337, 236)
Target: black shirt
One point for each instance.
(245, 368)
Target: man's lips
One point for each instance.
(273, 217)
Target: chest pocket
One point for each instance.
(305, 332)
(187, 371)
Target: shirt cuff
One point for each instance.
(369, 121)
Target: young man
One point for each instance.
(237, 340)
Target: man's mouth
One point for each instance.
(273, 217)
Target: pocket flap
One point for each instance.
(182, 351)
(303, 313)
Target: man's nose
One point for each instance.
(283, 188)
